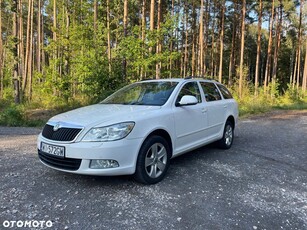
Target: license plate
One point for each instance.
(53, 149)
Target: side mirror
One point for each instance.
(187, 100)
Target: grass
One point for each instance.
(12, 116)
(294, 106)
(258, 106)
(250, 110)
(16, 115)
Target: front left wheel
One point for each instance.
(153, 160)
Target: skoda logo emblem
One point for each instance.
(56, 127)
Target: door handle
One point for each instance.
(203, 110)
(225, 106)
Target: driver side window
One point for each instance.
(190, 89)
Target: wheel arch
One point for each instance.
(162, 133)
(232, 120)
(141, 174)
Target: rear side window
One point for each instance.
(225, 92)
(210, 91)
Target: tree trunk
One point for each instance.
(142, 74)
(171, 43)
(21, 42)
(233, 45)
(269, 56)
(185, 60)
(30, 65)
(95, 18)
(152, 22)
(277, 42)
(125, 35)
(28, 54)
(193, 54)
(193, 31)
(201, 40)
(294, 71)
(54, 21)
(213, 43)
(221, 40)
(1, 55)
(299, 44)
(292, 64)
(67, 53)
(304, 84)
(143, 19)
(152, 15)
(242, 48)
(15, 53)
(55, 49)
(158, 47)
(39, 44)
(43, 58)
(206, 32)
(109, 37)
(258, 48)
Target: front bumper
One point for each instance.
(78, 156)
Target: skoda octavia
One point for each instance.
(138, 129)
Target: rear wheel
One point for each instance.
(153, 160)
(228, 136)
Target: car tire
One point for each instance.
(228, 136)
(153, 160)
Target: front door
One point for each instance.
(190, 120)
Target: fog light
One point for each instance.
(103, 164)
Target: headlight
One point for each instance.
(109, 133)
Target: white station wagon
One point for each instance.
(138, 129)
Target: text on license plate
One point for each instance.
(53, 149)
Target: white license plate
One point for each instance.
(53, 149)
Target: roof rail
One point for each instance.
(147, 79)
(201, 77)
(193, 77)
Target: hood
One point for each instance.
(102, 113)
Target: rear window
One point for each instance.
(225, 92)
(210, 91)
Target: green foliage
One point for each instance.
(249, 103)
(137, 52)
(12, 116)
(293, 96)
(265, 101)
(75, 67)
(254, 104)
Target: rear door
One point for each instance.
(216, 108)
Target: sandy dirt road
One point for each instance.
(260, 183)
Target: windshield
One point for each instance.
(143, 93)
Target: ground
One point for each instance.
(260, 183)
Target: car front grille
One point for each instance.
(62, 134)
(60, 163)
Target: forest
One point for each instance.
(59, 53)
